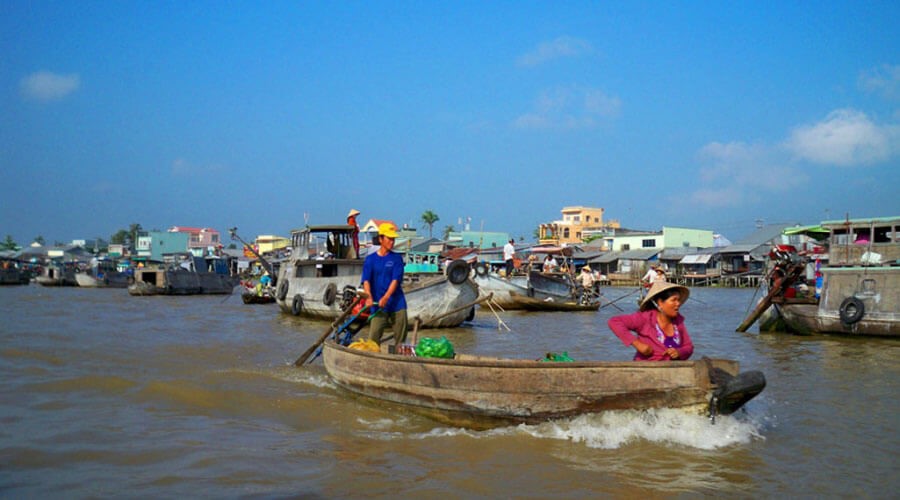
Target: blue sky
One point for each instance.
(708, 115)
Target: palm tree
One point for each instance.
(429, 218)
(447, 231)
(133, 231)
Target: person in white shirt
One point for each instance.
(509, 253)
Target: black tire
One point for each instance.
(530, 291)
(458, 272)
(297, 305)
(481, 269)
(330, 294)
(347, 297)
(282, 290)
(852, 310)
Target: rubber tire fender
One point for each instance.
(330, 294)
(458, 271)
(282, 290)
(481, 269)
(297, 305)
(851, 310)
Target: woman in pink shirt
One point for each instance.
(657, 331)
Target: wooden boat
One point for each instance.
(12, 273)
(104, 276)
(184, 275)
(513, 293)
(251, 297)
(548, 304)
(860, 283)
(477, 391)
(320, 288)
(57, 274)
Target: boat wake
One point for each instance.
(615, 429)
(612, 430)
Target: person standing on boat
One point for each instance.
(354, 234)
(657, 331)
(509, 253)
(382, 279)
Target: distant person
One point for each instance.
(657, 331)
(382, 279)
(354, 234)
(550, 264)
(509, 253)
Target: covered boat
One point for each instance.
(184, 274)
(12, 272)
(480, 391)
(858, 283)
(323, 273)
(104, 274)
(57, 273)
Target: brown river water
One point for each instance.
(104, 394)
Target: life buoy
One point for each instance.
(458, 271)
(297, 305)
(481, 269)
(851, 310)
(330, 294)
(282, 290)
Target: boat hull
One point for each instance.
(180, 282)
(429, 297)
(117, 280)
(477, 391)
(506, 292)
(877, 289)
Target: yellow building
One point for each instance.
(269, 242)
(577, 224)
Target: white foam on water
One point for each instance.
(614, 429)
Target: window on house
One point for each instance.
(566, 233)
(576, 218)
(882, 234)
(626, 246)
(648, 243)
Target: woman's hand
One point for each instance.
(642, 348)
(672, 353)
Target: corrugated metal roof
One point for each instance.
(702, 258)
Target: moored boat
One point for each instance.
(57, 274)
(104, 276)
(12, 272)
(520, 291)
(483, 391)
(323, 273)
(184, 275)
(859, 285)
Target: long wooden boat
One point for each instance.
(548, 304)
(320, 288)
(251, 297)
(475, 391)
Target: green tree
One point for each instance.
(119, 237)
(133, 231)
(9, 244)
(429, 218)
(447, 231)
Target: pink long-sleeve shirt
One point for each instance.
(642, 326)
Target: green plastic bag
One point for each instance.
(435, 348)
(553, 356)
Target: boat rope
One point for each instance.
(491, 304)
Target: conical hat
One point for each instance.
(660, 287)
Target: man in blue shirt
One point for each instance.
(382, 279)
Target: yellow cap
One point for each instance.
(387, 229)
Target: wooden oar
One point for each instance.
(360, 295)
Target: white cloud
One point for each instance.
(846, 138)
(563, 46)
(46, 86)
(569, 108)
(733, 174)
(884, 80)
